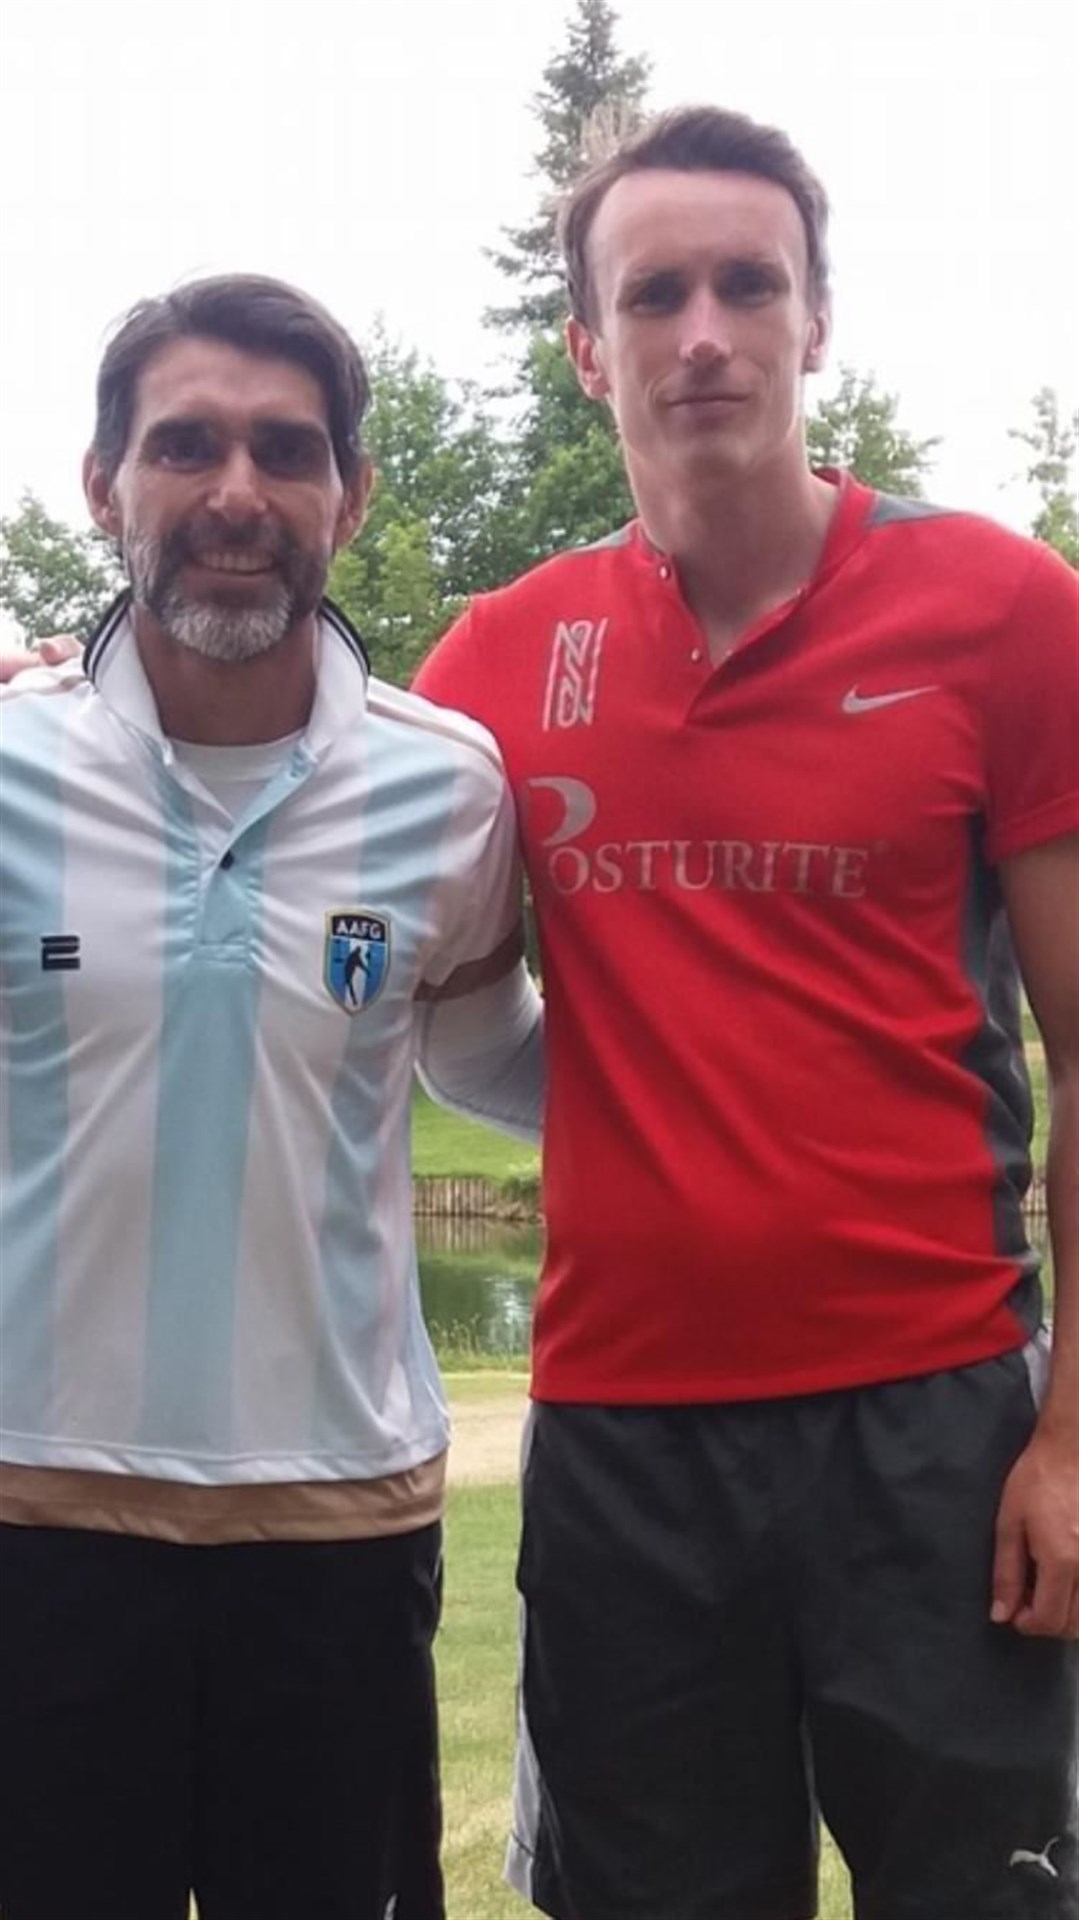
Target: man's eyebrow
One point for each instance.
(312, 430)
(652, 270)
(171, 421)
(674, 269)
(756, 257)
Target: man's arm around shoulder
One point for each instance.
(44, 653)
(480, 1053)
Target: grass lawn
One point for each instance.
(442, 1143)
(1036, 1068)
(476, 1662)
(476, 1665)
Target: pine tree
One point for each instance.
(587, 78)
(564, 480)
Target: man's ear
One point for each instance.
(586, 353)
(354, 504)
(820, 333)
(100, 497)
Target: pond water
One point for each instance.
(477, 1279)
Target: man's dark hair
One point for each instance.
(694, 140)
(244, 310)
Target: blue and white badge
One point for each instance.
(357, 956)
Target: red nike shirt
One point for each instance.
(788, 1126)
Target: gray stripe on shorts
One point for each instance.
(1037, 1354)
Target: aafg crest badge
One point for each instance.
(357, 956)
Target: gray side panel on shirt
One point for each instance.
(995, 1056)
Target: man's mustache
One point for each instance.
(209, 535)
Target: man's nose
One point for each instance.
(706, 334)
(238, 492)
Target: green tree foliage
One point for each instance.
(567, 482)
(1053, 443)
(858, 429)
(587, 81)
(437, 529)
(53, 580)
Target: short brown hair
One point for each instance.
(694, 140)
(245, 310)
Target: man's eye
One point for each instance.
(748, 284)
(660, 295)
(184, 446)
(290, 455)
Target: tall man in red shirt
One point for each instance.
(792, 759)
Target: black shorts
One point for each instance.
(255, 1723)
(736, 1615)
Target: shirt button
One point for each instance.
(665, 573)
(228, 859)
(696, 654)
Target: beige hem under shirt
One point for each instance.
(216, 1516)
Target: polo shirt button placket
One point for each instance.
(665, 572)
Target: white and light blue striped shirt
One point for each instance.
(207, 1270)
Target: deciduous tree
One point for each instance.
(1053, 441)
(436, 526)
(858, 429)
(52, 579)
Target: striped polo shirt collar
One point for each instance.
(113, 665)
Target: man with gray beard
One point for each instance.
(245, 887)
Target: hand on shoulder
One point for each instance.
(51, 652)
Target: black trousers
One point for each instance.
(251, 1723)
(738, 1615)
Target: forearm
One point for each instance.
(481, 1054)
(1060, 1409)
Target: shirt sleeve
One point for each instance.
(481, 1053)
(483, 937)
(1032, 712)
(479, 1018)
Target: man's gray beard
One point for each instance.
(225, 633)
(229, 634)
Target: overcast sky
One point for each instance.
(370, 151)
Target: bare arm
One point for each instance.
(1036, 1567)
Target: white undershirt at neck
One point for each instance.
(235, 776)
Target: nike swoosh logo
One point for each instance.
(855, 702)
